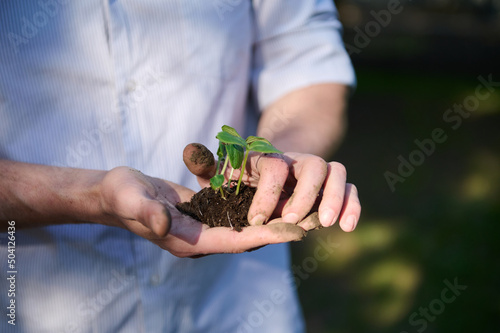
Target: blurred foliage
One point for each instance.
(442, 223)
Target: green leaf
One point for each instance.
(235, 153)
(216, 181)
(227, 138)
(252, 138)
(230, 130)
(263, 147)
(221, 151)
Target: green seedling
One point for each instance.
(235, 150)
(217, 181)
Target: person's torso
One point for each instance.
(98, 84)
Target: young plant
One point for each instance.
(235, 149)
(217, 181)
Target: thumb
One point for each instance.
(156, 217)
(200, 162)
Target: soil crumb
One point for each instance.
(208, 206)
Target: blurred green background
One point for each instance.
(442, 223)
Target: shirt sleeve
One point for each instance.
(297, 43)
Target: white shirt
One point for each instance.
(97, 84)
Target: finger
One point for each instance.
(200, 162)
(225, 240)
(136, 202)
(156, 217)
(333, 194)
(351, 211)
(273, 173)
(310, 172)
(172, 192)
(310, 222)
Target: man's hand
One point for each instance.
(289, 187)
(38, 195)
(124, 197)
(145, 206)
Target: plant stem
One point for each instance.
(230, 176)
(225, 166)
(242, 171)
(218, 167)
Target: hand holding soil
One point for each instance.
(294, 193)
(292, 188)
(145, 206)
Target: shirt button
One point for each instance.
(155, 279)
(131, 85)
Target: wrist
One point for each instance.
(73, 197)
(85, 199)
(96, 200)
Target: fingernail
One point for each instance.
(258, 220)
(291, 218)
(350, 223)
(326, 217)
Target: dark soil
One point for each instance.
(208, 207)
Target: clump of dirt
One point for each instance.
(208, 206)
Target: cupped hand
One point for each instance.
(290, 187)
(146, 206)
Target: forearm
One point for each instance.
(309, 120)
(38, 195)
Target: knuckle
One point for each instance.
(336, 199)
(316, 160)
(355, 204)
(356, 209)
(339, 169)
(280, 162)
(353, 189)
(317, 163)
(275, 163)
